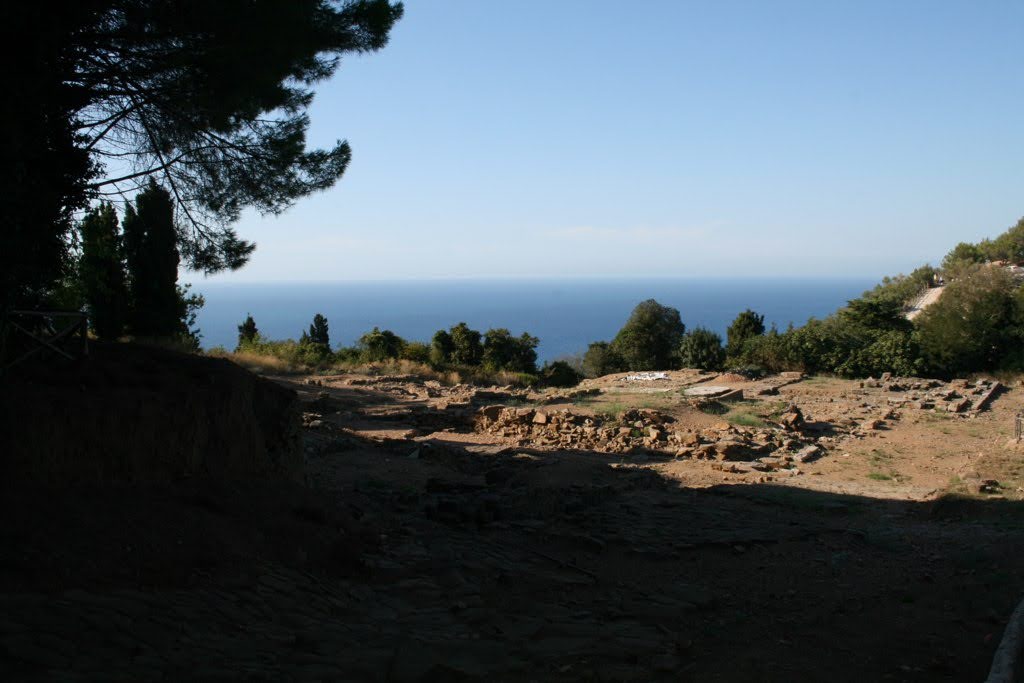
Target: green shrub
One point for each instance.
(960, 257)
(502, 351)
(973, 326)
(247, 332)
(650, 338)
(559, 374)
(702, 348)
(601, 359)
(746, 325)
(378, 345)
(313, 354)
(466, 346)
(416, 351)
(441, 348)
(1009, 246)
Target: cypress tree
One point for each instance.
(247, 332)
(318, 333)
(152, 256)
(102, 272)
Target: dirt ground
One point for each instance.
(425, 547)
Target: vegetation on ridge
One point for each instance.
(459, 352)
(976, 325)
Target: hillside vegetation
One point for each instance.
(976, 325)
(458, 354)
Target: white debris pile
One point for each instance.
(646, 376)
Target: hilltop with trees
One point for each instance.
(976, 325)
(496, 354)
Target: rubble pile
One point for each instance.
(960, 396)
(649, 431)
(769, 386)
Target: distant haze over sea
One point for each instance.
(566, 314)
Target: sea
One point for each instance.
(566, 315)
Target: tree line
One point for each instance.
(458, 347)
(128, 272)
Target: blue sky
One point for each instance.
(586, 138)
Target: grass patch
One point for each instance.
(879, 476)
(610, 411)
(754, 415)
(879, 457)
(259, 363)
(743, 419)
(713, 408)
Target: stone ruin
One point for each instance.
(650, 432)
(960, 396)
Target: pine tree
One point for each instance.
(102, 272)
(247, 332)
(318, 331)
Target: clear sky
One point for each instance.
(587, 138)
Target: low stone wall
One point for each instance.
(130, 413)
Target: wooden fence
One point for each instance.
(44, 335)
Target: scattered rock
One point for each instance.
(792, 419)
(808, 454)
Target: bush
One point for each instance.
(973, 326)
(378, 345)
(466, 346)
(1009, 246)
(770, 352)
(348, 355)
(559, 374)
(313, 354)
(601, 359)
(702, 349)
(961, 256)
(877, 313)
(904, 288)
(441, 349)
(650, 338)
(502, 351)
(418, 352)
(746, 325)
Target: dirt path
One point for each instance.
(929, 297)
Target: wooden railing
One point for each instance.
(45, 334)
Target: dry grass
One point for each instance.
(259, 363)
(271, 364)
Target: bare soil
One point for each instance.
(424, 547)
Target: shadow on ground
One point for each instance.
(445, 560)
(522, 565)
